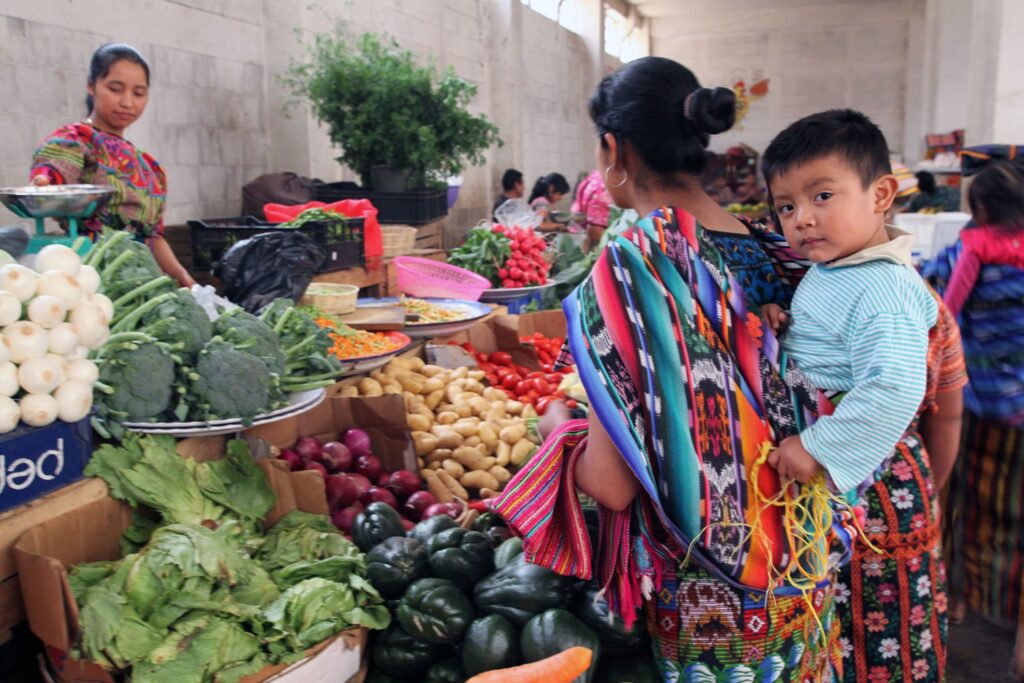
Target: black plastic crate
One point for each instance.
(414, 207)
(341, 240)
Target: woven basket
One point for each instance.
(331, 298)
(399, 240)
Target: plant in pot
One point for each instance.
(385, 110)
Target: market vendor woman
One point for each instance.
(95, 152)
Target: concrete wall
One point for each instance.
(818, 54)
(215, 115)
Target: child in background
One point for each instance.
(859, 324)
(996, 198)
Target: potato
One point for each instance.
(399, 362)
(529, 412)
(513, 433)
(474, 386)
(521, 452)
(453, 485)
(513, 407)
(497, 411)
(503, 454)
(434, 398)
(418, 422)
(453, 467)
(424, 442)
(370, 387)
(411, 383)
(464, 428)
(439, 455)
(478, 479)
(451, 392)
(416, 363)
(349, 391)
(421, 463)
(492, 394)
(422, 409)
(480, 406)
(464, 410)
(432, 370)
(477, 375)
(434, 465)
(473, 441)
(500, 473)
(392, 388)
(488, 493)
(446, 436)
(487, 434)
(436, 486)
(447, 417)
(432, 385)
(472, 459)
(460, 373)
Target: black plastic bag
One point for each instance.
(271, 266)
(14, 240)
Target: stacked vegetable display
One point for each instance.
(202, 594)
(461, 607)
(166, 361)
(51, 318)
(509, 257)
(467, 437)
(532, 387)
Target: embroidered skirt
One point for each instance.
(892, 606)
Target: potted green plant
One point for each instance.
(385, 110)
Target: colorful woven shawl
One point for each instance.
(992, 327)
(688, 384)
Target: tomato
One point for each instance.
(501, 358)
(510, 381)
(523, 387)
(528, 400)
(541, 386)
(559, 394)
(534, 375)
(482, 358)
(523, 370)
(468, 347)
(571, 403)
(492, 379)
(487, 367)
(568, 370)
(553, 378)
(543, 402)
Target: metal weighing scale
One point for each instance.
(65, 202)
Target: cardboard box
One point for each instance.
(382, 417)
(91, 533)
(37, 460)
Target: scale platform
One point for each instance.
(65, 202)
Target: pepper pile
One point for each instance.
(532, 387)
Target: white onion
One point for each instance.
(89, 279)
(84, 370)
(9, 415)
(74, 400)
(46, 311)
(26, 340)
(18, 280)
(9, 379)
(105, 304)
(10, 308)
(90, 324)
(58, 257)
(61, 285)
(63, 339)
(38, 410)
(39, 375)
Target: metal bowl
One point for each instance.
(55, 201)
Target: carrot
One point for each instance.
(349, 343)
(560, 668)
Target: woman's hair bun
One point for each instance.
(711, 110)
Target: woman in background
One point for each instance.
(95, 152)
(593, 203)
(548, 191)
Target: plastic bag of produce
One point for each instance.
(278, 265)
(517, 212)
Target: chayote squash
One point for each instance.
(446, 671)
(555, 630)
(491, 642)
(520, 590)
(395, 563)
(377, 522)
(461, 556)
(592, 609)
(397, 653)
(435, 611)
(507, 551)
(430, 527)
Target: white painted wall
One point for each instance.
(819, 54)
(215, 116)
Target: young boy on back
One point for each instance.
(860, 317)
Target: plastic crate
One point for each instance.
(414, 207)
(341, 240)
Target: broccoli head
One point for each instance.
(253, 336)
(230, 383)
(142, 377)
(179, 320)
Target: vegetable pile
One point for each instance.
(462, 606)
(348, 343)
(51, 318)
(467, 437)
(509, 257)
(165, 360)
(532, 387)
(202, 594)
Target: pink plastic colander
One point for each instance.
(427, 278)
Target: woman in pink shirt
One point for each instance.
(996, 198)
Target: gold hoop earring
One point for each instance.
(625, 177)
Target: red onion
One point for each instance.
(407, 524)
(317, 467)
(404, 483)
(341, 491)
(307, 447)
(358, 441)
(346, 517)
(336, 457)
(417, 503)
(361, 482)
(376, 494)
(383, 480)
(451, 509)
(293, 459)
(369, 466)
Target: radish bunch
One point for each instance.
(526, 267)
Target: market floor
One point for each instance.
(979, 652)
